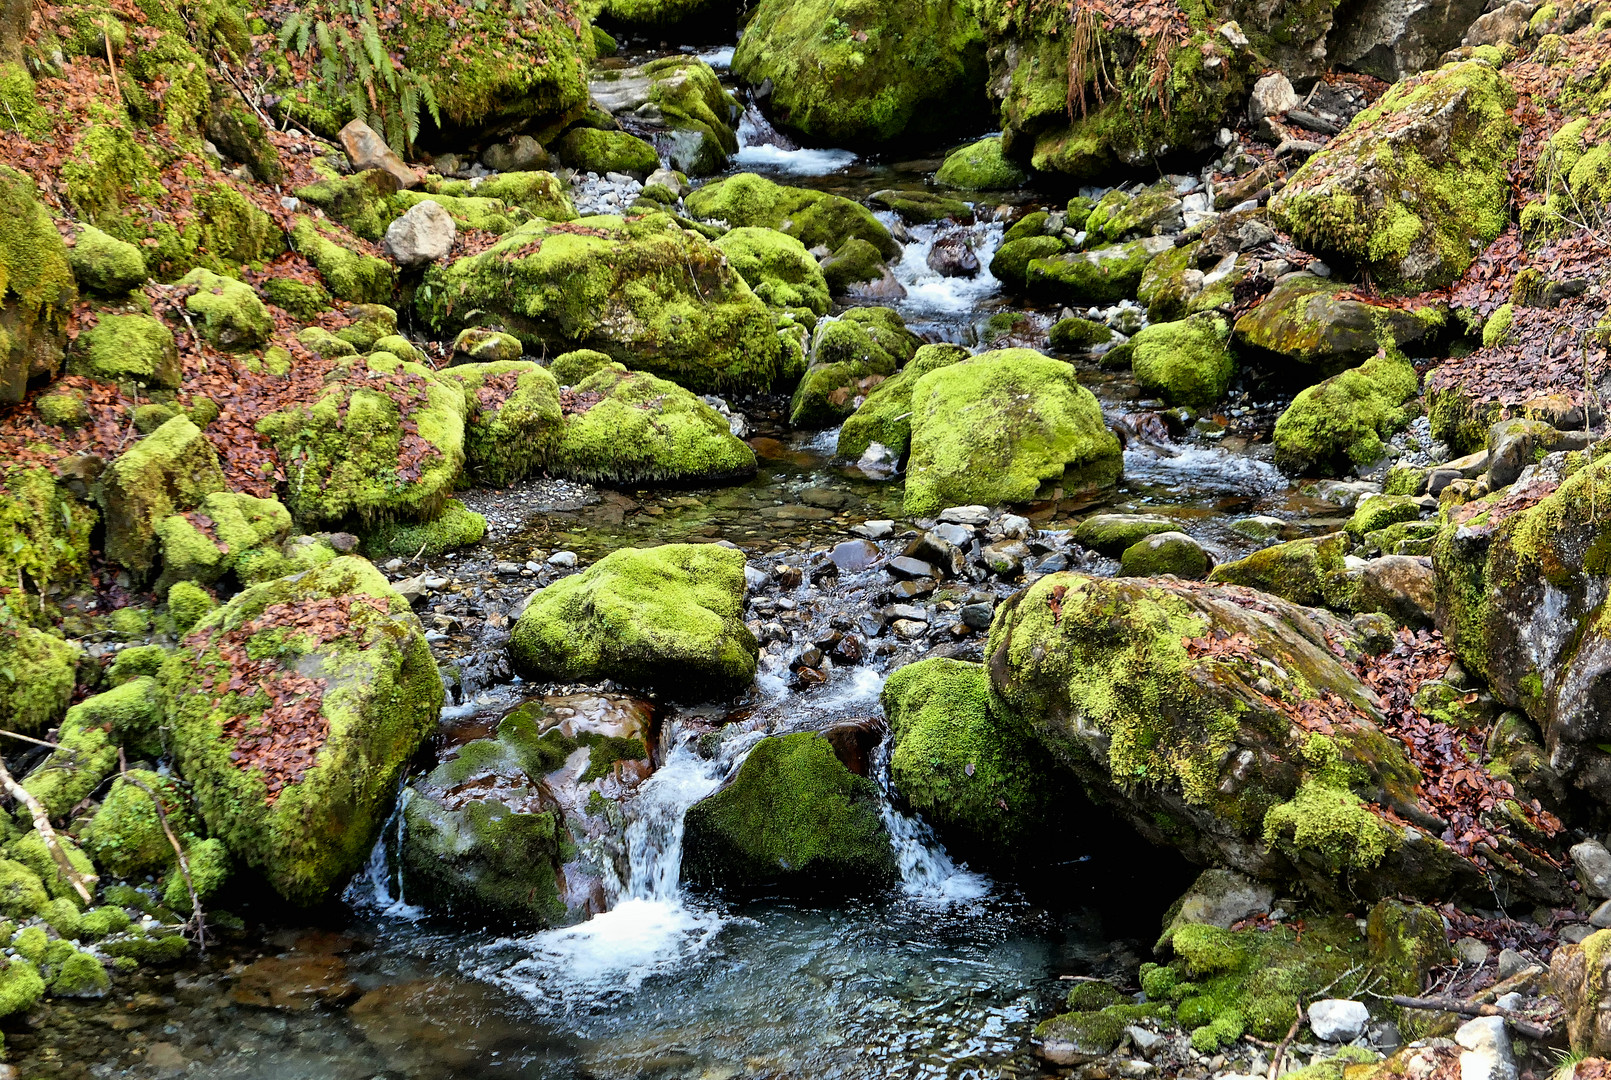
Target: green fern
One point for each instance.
(362, 75)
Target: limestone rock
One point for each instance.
(423, 235)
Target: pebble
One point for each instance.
(909, 612)
(1337, 1020)
(562, 559)
(874, 530)
(904, 566)
(965, 515)
(909, 628)
(978, 616)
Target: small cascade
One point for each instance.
(761, 146)
(1194, 468)
(379, 887)
(930, 294)
(927, 870)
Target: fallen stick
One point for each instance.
(48, 835)
(1281, 1047)
(1471, 1008)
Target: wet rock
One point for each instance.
(1165, 553)
(1111, 534)
(874, 530)
(1336, 1021)
(853, 555)
(906, 567)
(951, 255)
(1004, 559)
(978, 616)
(854, 743)
(294, 982)
(939, 552)
(423, 235)
(436, 1027)
(849, 356)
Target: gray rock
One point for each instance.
(1143, 1040)
(1338, 1021)
(1015, 527)
(907, 611)
(909, 628)
(978, 616)
(367, 150)
(966, 515)
(854, 555)
(874, 530)
(958, 535)
(519, 154)
(755, 579)
(1471, 951)
(1221, 898)
(1272, 96)
(1392, 39)
(1601, 918)
(1575, 933)
(904, 566)
(562, 558)
(1488, 1055)
(1503, 25)
(1593, 863)
(1400, 586)
(1006, 558)
(421, 236)
(1511, 962)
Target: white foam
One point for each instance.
(721, 59)
(927, 291)
(1202, 468)
(805, 162)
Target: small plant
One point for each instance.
(368, 80)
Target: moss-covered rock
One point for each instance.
(668, 618)
(22, 894)
(37, 674)
(794, 817)
(385, 441)
(1309, 571)
(980, 166)
(1075, 334)
(921, 207)
(1417, 185)
(228, 311)
(1112, 534)
(138, 348)
(680, 102)
(885, 414)
(456, 526)
(573, 367)
(538, 192)
(662, 15)
(169, 471)
(37, 289)
(777, 267)
(341, 674)
(1010, 264)
(1342, 421)
(854, 262)
(1305, 329)
(364, 203)
(849, 356)
(127, 840)
(593, 150)
(514, 416)
(644, 290)
(853, 74)
(367, 325)
(480, 346)
(1406, 941)
(105, 264)
(349, 274)
(1186, 363)
(89, 739)
(628, 427)
(1102, 276)
(1165, 553)
(968, 764)
(44, 536)
(993, 429)
(815, 218)
(228, 532)
(188, 604)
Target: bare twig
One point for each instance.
(31, 739)
(1281, 1047)
(106, 38)
(178, 850)
(1471, 1008)
(82, 884)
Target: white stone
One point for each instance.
(1337, 1020)
(966, 515)
(562, 558)
(874, 530)
(1272, 96)
(1487, 1050)
(1593, 864)
(421, 236)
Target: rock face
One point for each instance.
(296, 707)
(1116, 677)
(1395, 39)
(37, 290)
(679, 103)
(892, 70)
(1416, 185)
(993, 429)
(644, 290)
(508, 829)
(795, 818)
(668, 619)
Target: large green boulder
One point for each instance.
(849, 356)
(385, 440)
(815, 218)
(105, 264)
(1342, 422)
(669, 618)
(1185, 363)
(37, 290)
(228, 312)
(777, 267)
(37, 674)
(594, 150)
(649, 293)
(1310, 571)
(1010, 264)
(514, 417)
(1102, 276)
(1417, 185)
(169, 471)
(44, 535)
(980, 166)
(296, 708)
(228, 532)
(885, 415)
(968, 764)
(794, 818)
(1307, 329)
(680, 101)
(851, 73)
(364, 203)
(995, 428)
(630, 428)
(136, 348)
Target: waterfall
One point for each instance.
(927, 870)
(760, 146)
(379, 886)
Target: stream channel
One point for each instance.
(945, 977)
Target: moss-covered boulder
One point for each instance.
(455, 526)
(995, 428)
(1010, 264)
(384, 441)
(537, 192)
(885, 414)
(349, 273)
(1163, 553)
(1310, 571)
(815, 218)
(44, 535)
(1186, 363)
(1417, 185)
(37, 289)
(849, 356)
(137, 348)
(514, 417)
(1306, 330)
(1194, 744)
(853, 74)
(1341, 422)
(661, 15)
(228, 312)
(627, 427)
(1112, 534)
(296, 707)
(1101, 276)
(364, 202)
(794, 818)
(104, 264)
(127, 840)
(589, 149)
(980, 166)
(169, 471)
(228, 532)
(777, 267)
(1076, 334)
(668, 618)
(968, 764)
(37, 674)
(644, 290)
(680, 103)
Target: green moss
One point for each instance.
(993, 429)
(814, 218)
(885, 416)
(20, 987)
(1075, 334)
(188, 604)
(515, 423)
(540, 194)
(1309, 571)
(364, 203)
(1186, 363)
(30, 850)
(348, 274)
(777, 267)
(31, 944)
(980, 166)
(481, 346)
(105, 264)
(228, 312)
(370, 324)
(134, 347)
(22, 894)
(301, 299)
(1326, 818)
(154, 949)
(573, 367)
(37, 672)
(855, 261)
(36, 285)
(44, 536)
(793, 816)
(591, 150)
(1497, 328)
(456, 527)
(1011, 262)
(19, 102)
(125, 837)
(1406, 941)
(1164, 553)
(89, 741)
(347, 455)
(1375, 512)
(229, 532)
(642, 289)
(380, 697)
(1102, 276)
(644, 429)
(964, 761)
(80, 974)
(1341, 422)
(849, 355)
(668, 618)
